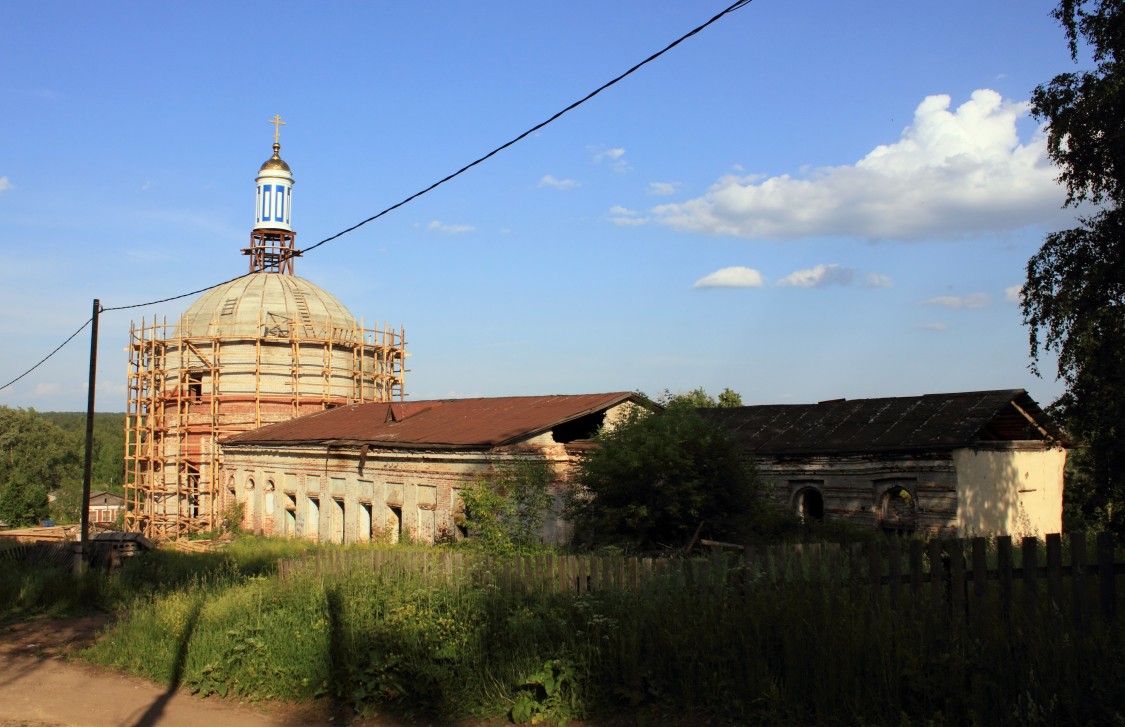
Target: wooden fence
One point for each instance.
(974, 576)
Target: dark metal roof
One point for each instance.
(909, 423)
(440, 423)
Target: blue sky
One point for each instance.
(807, 200)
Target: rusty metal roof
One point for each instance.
(932, 422)
(440, 423)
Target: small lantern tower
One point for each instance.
(272, 240)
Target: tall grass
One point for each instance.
(31, 588)
(723, 645)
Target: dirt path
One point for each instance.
(39, 687)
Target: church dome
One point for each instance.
(275, 163)
(266, 305)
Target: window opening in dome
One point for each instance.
(195, 386)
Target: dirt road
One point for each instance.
(39, 687)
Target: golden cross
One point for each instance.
(277, 124)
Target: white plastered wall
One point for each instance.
(1012, 491)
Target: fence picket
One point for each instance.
(1004, 572)
(957, 573)
(1029, 562)
(937, 572)
(1054, 572)
(1107, 586)
(980, 576)
(916, 568)
(1078, 588)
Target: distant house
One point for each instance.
(105, 506)
(356, 472)
(974, 463)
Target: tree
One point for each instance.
(23, 503)
(1074, 298)
(700, 399)
(654, 478)
(35, 458)
(504, 509)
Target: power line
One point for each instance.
(175, 297)
(52, 353)
(537, 127)
(730, 9)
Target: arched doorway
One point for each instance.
(809, 504)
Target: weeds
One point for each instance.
(686, 647)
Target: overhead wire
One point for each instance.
(48, 356)
(729, 9)
(737, 5)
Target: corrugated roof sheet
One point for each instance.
(912, 423)
(440, 423)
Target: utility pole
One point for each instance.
(87, 468)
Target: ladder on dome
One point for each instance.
(303, 313)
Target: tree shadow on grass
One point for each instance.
(152, 715)
(337, 669)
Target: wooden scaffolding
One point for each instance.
(187, 392)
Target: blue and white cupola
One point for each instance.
(272, 240)
(275, 193)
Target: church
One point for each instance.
(263, 348)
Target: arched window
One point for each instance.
(898, 510)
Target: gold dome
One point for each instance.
(275, 162)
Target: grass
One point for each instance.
(732, 649)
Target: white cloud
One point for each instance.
(550, 181)
(877, 280)
(972, 300)
(819, 277)
(611, 154)
(47, 389)
(437, 226)
(932, 326)
(663, 189)
(734, 277)
(619, 215)
(1013, 293)
(615, 157)
(953, 173)
(5, 185)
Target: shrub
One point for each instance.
(655, 477)
(506, 507)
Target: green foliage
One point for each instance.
(552, 695)
(43, 452)
(230, 519)
(504, 509)
(655, 477)
(707, 642)
(1074, 298)
(23, 504)
(35, 457)
(700, 399)
(108, 464)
